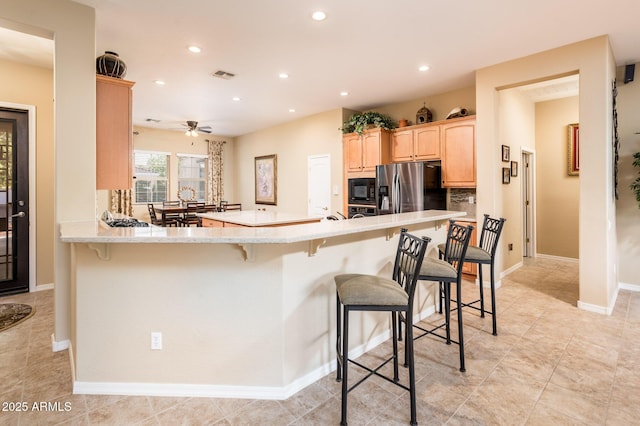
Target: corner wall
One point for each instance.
(594, 61)
(72, 26)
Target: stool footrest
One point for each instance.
(374, 371)
(433, 333)
(471, 305)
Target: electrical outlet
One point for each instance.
(471, 199)
(156, 340)
(510, 246)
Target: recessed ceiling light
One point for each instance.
(319, 15)
(292, 110)
(194, 49)
(284, 75)
(424, 68)
(344, 93)
(235, 98)
(159, 82)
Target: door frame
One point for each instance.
(327, 158)
(529, 175)
(31, 112)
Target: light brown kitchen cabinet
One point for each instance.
(114, 133)
(362, 153)
(458, 154)
(416, 144)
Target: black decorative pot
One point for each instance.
(111, 65)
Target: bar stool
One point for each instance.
(359, 292)
(484, 254)
(445, 271)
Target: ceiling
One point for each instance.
(370, 49)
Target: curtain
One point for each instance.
(121, 202)
(215, 172)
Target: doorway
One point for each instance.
(528, 204)
(14, 201)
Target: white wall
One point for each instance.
(594, 61)
(628, 211)
(292, 142)
(517, 131)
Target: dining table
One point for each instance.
(181, 209)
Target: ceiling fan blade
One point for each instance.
(206, 129)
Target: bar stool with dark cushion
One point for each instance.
(445, 271)
(360, 292)
(484, 254)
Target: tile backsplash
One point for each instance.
(458, 200)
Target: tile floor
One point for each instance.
(550, 364)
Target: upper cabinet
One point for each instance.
(362, 153)
(416, 144)
(458, 153)
(114, 133)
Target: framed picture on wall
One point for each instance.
(573, 149)
(506, 175)
(505, 153)
(514, 168)
(266, 179)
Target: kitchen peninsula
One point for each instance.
(253, 218)
(243, 312)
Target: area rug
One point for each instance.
(13, 314)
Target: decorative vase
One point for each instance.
(402, 123)
(111, 65)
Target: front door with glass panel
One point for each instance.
(14, 201)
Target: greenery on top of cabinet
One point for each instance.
(360, 122)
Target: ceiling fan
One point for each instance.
(193, 129)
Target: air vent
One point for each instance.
(223, 74)
(151, 120)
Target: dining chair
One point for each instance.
(152, 215)
(190, 217)
(172, 219)
(235, 206)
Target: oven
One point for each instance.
(362, 190)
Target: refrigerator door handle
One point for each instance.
(396, 193)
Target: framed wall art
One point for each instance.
(506, 175)
(505, 153)
(514, 168)
(266, 179)
(573, 149)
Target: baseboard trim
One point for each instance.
(552, 257)
(43, 287)
(603, 310)
(630, 287)
(59, 346)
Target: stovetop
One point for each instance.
(125, 223)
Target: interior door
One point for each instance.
(319, 185)
(14, 201)
(527, 205)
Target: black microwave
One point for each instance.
(362, 190)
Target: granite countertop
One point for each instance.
(98, 232)
(258, 218)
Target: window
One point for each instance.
(192, 171)
(151, 171)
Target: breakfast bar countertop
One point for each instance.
(258, 217)
(97, 232)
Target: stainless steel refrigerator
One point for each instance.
(408, 187)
